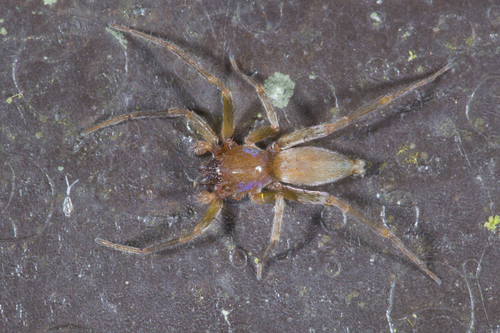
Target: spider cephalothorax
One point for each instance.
(265, 175)
(239, 170)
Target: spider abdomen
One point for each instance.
(240, 169)
(313, 166)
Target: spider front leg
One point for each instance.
(227, 99)
(198, 122)
(322, 198)
(212, 212)
(320, 131)
(267, 131)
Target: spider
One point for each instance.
(268, 175)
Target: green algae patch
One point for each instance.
(279, 89)
(492, 223)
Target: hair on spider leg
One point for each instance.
(266, 175)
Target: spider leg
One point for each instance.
(264, 132)
(279, 206)
(320, 131)
(198, 122)
(227, 99)
(212, 212)
(322, 198)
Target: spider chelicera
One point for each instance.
(265, 175)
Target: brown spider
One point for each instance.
(264, 175)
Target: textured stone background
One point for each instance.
(433, 180)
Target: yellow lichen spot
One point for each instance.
(403, 149)
(198, 291)
(11, 98)
(469, 41)
(43, 119)
(478, 124)
(334, 111)
(349, 297)
(377, 20)
(447, 128)
(409, 321)
(412, 158)
(3, 31)
(412, 55)
(39, 135)
(450, 46)
(466, 135)
(324, 240)
(492, 223)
